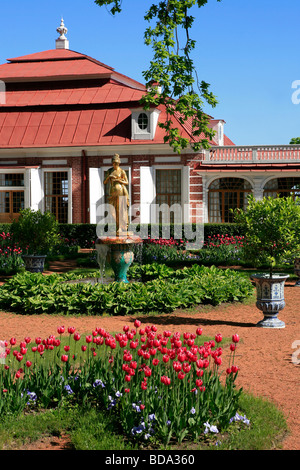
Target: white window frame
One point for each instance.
(70, 204)
(184, 189)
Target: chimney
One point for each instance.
(62, 42)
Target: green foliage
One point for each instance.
(172, 68)
(271, 227)
(30, 293)
(36, 233)
(295, 141)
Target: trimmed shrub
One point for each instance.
(29, 293)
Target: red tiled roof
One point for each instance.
(107, 92)
(68, 128)
(59, 64)
(63, 98)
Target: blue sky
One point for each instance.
(248, 50)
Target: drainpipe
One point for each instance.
(84, 185)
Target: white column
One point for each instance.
(147, 193)
(34, 189)
(258, 190)
(204, 199)
(185, 193)
(96, 192)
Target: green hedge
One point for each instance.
(85, 234)
(37, 294)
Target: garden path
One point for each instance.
(265, 356)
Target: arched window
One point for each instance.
(225, 194)
(282, 187)
(143, 121)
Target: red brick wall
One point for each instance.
(80, 177)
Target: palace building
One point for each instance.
(64, 115)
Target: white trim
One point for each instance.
(54, 162)
(147, 193)
(167, 159)
(75, 151)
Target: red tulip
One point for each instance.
(71, 329)
(218, 338)
(218, 361)
(64, 358)
(13, 341)
(28, 363)
(235, 338)
(77, 336)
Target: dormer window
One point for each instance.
(143, 124)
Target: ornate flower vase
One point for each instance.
(34, 263)
(121, 257)
(270, 298)
(297, 270)
(120, 254)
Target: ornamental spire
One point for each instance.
(62, 42)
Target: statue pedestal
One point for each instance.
(121, 253)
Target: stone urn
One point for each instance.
(297, 270)
(34, 263)
(270, 298)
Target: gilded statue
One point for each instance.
(118, 194)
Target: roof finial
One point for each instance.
(62, 42)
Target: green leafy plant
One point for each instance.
(271, 227)
(35, 232)
(33, 293)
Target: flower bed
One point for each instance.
(29, 293)
(10, 254)
(156, 385)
